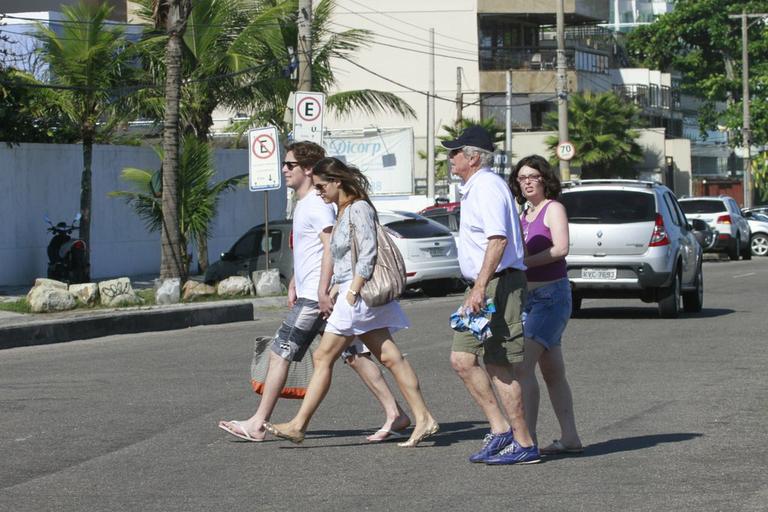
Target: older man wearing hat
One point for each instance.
(491, 255)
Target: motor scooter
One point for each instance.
(66, 255)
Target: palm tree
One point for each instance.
(88, 64)
(451, 133)
(600, 126)
(198, 196)
(236, 53)
(172, 15)
(273, 83)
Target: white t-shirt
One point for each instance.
(311, 216)
(487, 209)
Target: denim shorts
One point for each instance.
(547, 312)
(303, 323)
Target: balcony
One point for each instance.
(649, 96)
(576, 11)
(539, 58)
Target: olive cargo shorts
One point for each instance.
(505, 346)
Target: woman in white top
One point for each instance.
(347, 187)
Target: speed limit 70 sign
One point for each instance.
(566, 150)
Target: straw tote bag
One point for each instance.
(299, 372)
(387, 282)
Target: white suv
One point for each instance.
(630, 239)
(723, 215)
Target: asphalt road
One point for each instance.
(673, 413)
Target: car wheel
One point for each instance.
(693, 301)
(746, 251)
(734, 249)
(669, 301)
(437, 287)
(759, 245)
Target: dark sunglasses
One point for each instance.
(290, 165)
(320, 187)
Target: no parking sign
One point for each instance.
(308, 110)
(263, 159)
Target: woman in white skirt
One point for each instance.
(347, 187)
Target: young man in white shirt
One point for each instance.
(310, 303)
(491, 255)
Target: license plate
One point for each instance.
(598, 273)
(437, 251)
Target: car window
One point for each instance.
(703, 206)
(246, 246)
(273, 243)
(443, 219)
(253, 244)
(679, 211)
(670, 202)
(418, 228)
(609, 206)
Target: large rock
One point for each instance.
(168, 291)
(267, 283)
(45, 299)
(85, 293)
(194, 289)
(235, 285)
(117, 292)
(42, 281)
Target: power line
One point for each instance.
(460, 50)
(418, 51)
(415, 25)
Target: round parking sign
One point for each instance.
(309, 108)
(263, 146)
(566, 150)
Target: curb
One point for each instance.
(45, 332)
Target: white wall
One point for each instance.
(36, 179)
(406, 24)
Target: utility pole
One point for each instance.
(459, 97)
(746, 137)
(431, 118)
(305, 45)
(562, 92)
(508, 124)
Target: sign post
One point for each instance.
(308, 111)
(264, 170)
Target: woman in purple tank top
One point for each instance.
(548, 304)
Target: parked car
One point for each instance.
(758, 224)
(428, 249)
(252, 251)
(630, 239)
(448, 214)
(757, 209)
(722, 213)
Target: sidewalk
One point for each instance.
(19, 330)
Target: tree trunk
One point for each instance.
(202, 254)
(174, 261)
(86, 197)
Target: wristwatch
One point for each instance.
(353, 292)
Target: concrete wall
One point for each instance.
(680, 151)
(36, 179)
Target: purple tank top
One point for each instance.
(538, 238)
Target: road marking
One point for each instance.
(745, 275)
